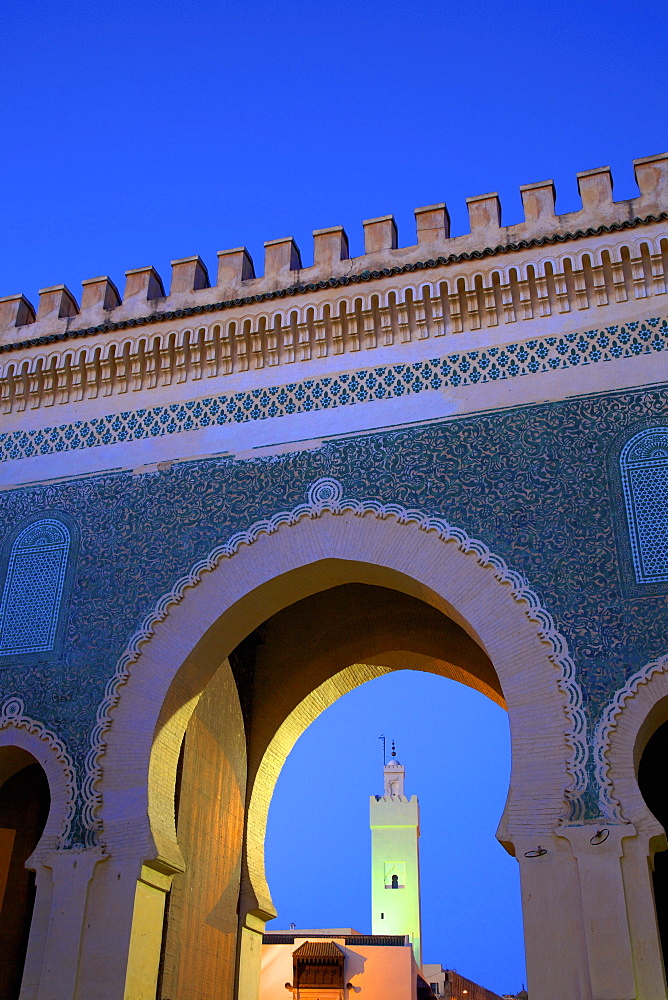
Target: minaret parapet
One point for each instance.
(435, 248)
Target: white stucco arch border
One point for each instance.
(618, 737)
(18, 730)
(326, 497)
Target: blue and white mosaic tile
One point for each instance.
(531, 357)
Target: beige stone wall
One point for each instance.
(376, 973)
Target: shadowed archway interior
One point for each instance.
(286, 672)
(24, 808)
(652, 772)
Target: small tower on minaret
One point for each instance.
(395, 862)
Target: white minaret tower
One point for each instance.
(395, 862)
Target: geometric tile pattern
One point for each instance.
(530, 357)
(31, 596)
(644, 472)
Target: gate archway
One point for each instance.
(186, 647)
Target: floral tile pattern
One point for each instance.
(531, 357)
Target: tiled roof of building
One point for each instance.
(366, 940)
(320, 950)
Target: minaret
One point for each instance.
(395, 863)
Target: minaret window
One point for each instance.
(395, 881)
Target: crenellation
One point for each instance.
(189, 274)
(432, 223)
(99, 295)
(595, 187)
(545, 266)
(651, 174)
(484, 212)
(330, 247)
(538, 201)
(281, 257)
(15, 311)
(56, 302)
(234, 266)
(380, 234)
(143, 284)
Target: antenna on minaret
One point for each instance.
(382, 737)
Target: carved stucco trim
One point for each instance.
(326, 496)
(12, 715)
(365, 275)
(608, 802)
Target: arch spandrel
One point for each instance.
(324, 543)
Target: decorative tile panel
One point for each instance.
(531, 357)
(530, 481)
(33, 589)
(644, 469)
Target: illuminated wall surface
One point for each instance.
(394, 858)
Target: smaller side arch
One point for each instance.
(622, 732)
(26, 735)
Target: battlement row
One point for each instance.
(144, 292)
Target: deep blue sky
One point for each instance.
(136, 132)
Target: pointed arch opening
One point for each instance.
(478, 623)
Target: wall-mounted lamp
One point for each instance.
(538, 853)
(600, 837)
